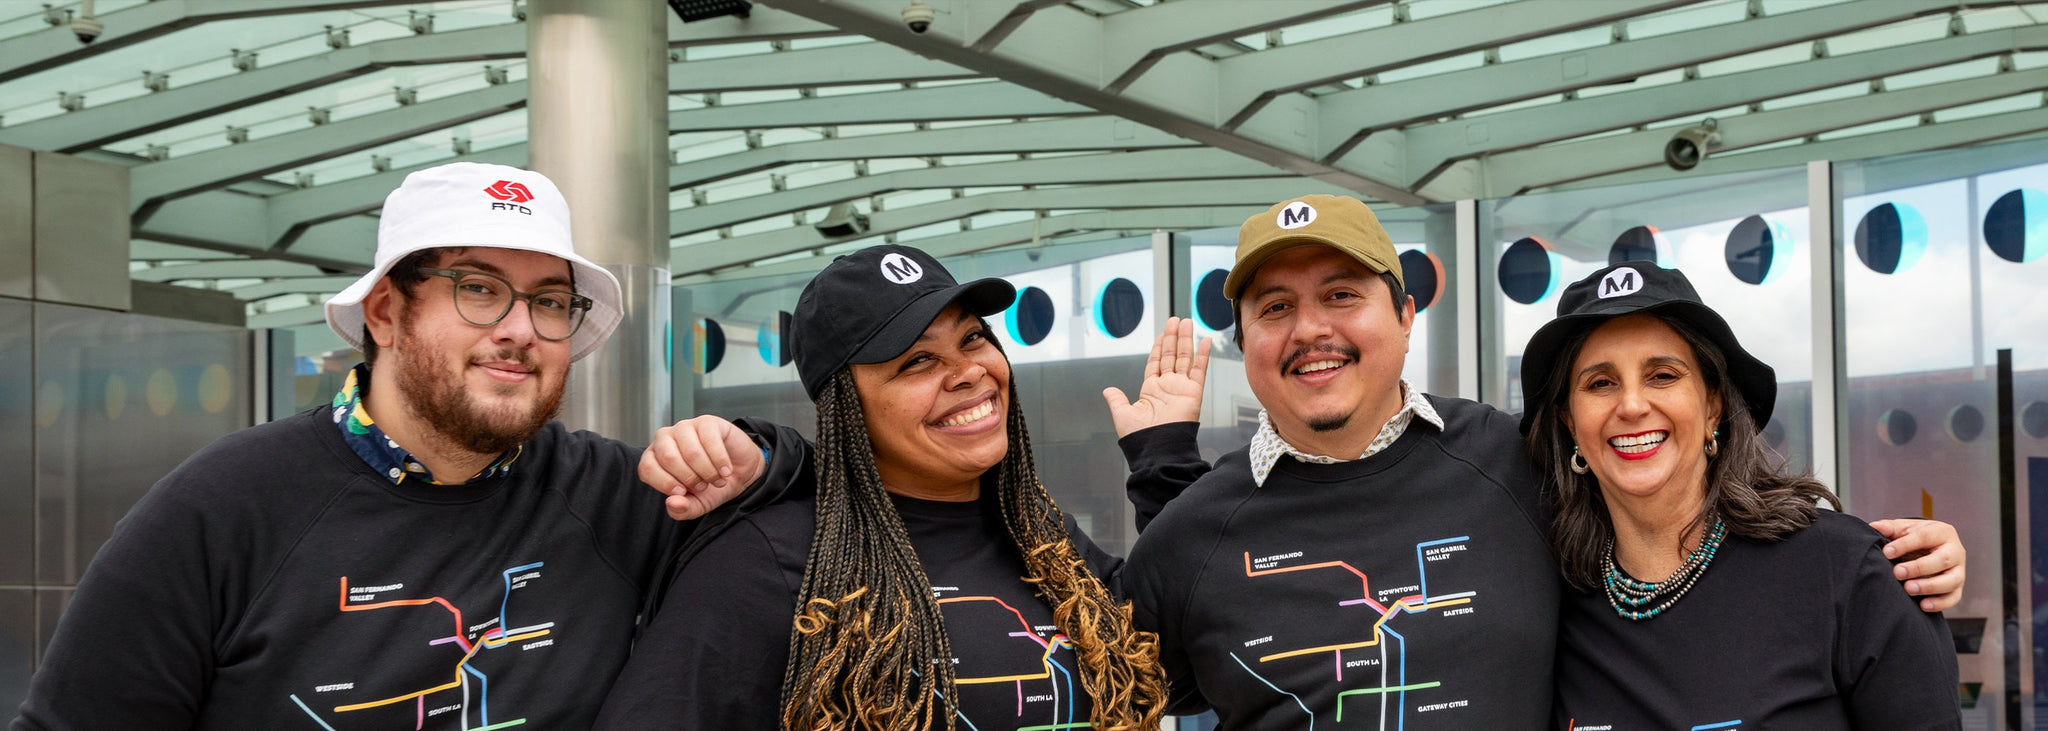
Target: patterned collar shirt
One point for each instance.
(1268, 447)
(368, 441)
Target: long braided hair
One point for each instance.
(869, 647)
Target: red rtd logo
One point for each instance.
(511, 194)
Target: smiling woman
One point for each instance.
(1686, 539)
(925, 579)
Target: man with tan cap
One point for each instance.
(1376, 556)
(456, 561)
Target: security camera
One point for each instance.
(1687, 148)
(918, 16)
(87, 28)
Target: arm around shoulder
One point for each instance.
(713, 657)
(1895, 664)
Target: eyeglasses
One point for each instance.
(485, 299)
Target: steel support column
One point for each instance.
(598, 72)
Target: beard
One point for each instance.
(443, 401)
(1332, 422)
(1328, 423)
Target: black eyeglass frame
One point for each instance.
(455, 276)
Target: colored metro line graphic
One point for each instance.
(1381, 640)
(468, 689)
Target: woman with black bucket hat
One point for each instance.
(1711, 591)
(922, 578)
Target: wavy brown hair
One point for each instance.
(1747, 485)
(869, 647)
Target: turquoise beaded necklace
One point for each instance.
(1628, 596)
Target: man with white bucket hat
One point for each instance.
(459, 561)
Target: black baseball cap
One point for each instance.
(871, 305)
(1641, 287)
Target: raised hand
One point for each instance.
(1172, 390)
(700, 463)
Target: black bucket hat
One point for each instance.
(871, 305)
(1641, 287)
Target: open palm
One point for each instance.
(1172, 390)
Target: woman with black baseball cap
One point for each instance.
(925, 579)
(1712, 592)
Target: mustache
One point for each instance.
(1287, 363)
(522, 357)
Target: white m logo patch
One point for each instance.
(1620, 283)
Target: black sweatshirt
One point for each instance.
(274, 581)
(718, 663)
(1809, 633)
(1410, 590)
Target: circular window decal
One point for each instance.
(1965, 423)
(1896, 427)
(1119, 308)
(773, 341)
(2034, 419)
(1891, 238)
(1424, 275)
(2016, 227)
(1759, 249)
(1527, 273)
(1030, 316)
(1211, 307)
(709, 349)
(1636, 244)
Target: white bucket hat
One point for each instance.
(474, 204)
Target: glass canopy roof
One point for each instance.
(1012, 121)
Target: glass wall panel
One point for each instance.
(17, 430)
(1940, 271)
(1740, 238)
(321, 360)
(1084, 322)
(121, 400)
(1426, 239)
(18, 642)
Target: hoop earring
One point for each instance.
(1578, 462)
(1714, 445)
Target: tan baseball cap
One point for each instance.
(1339, 222)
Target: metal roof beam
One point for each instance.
(152, 183)
(291, 285)
(1880, 144)
(1385, 106)
(1146, 35)
(1433, 146)
(992, 100)
(288, 318)
(52, 47)
(225, 269)
(1177, 164)
(863, 63)
(1249, 81)
(1049, 135)
(1255, 194)
(290, 212)
(1062, 53)
(968, 242)
(1522, 170)
(95, 126)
